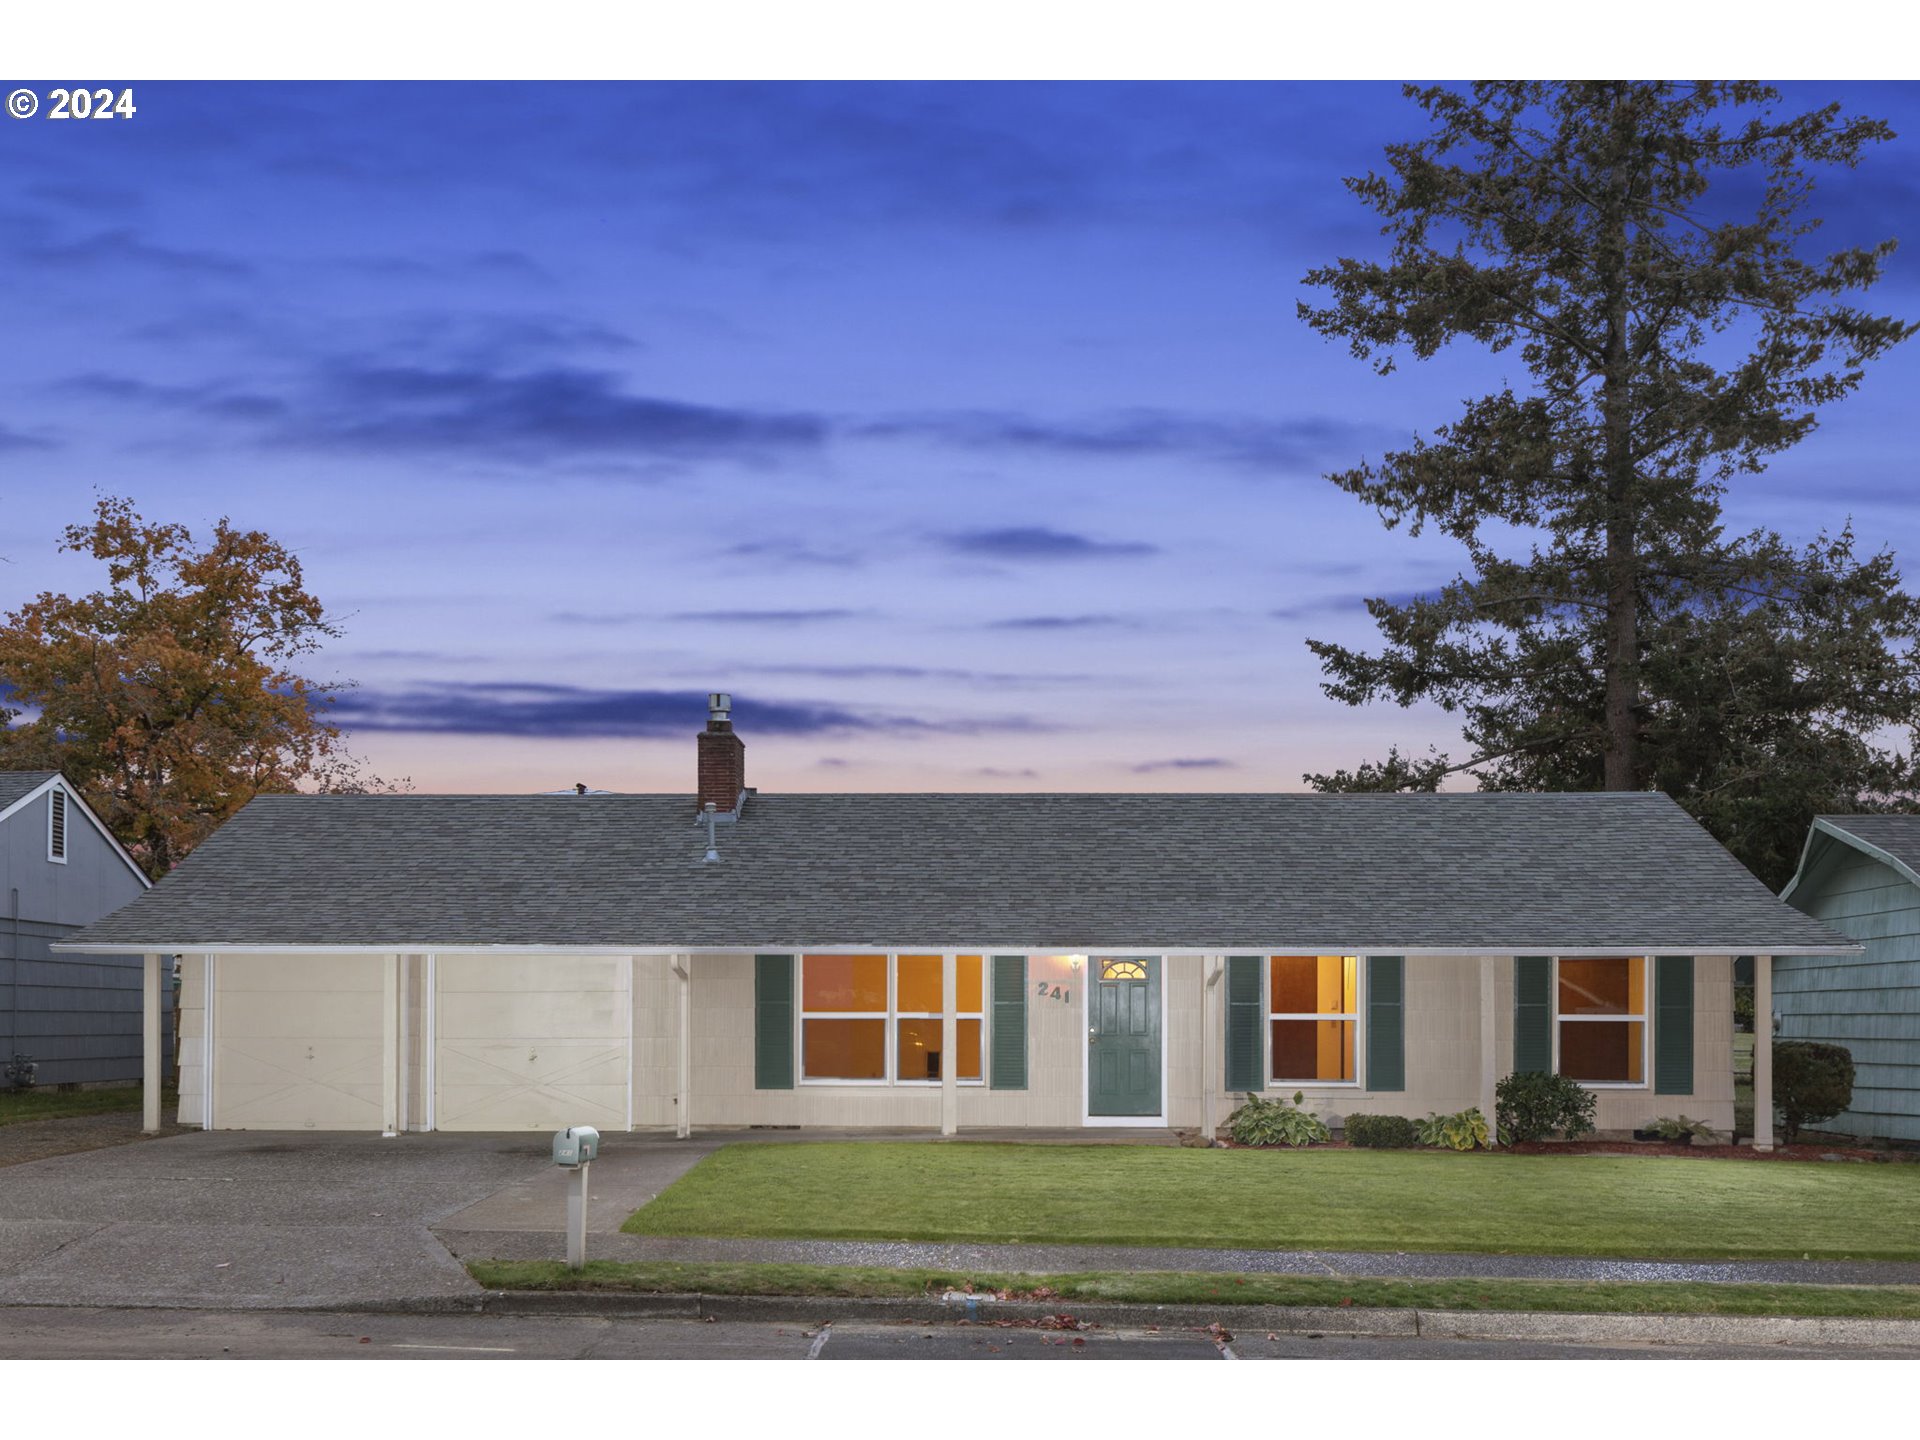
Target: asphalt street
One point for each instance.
(50, 1333)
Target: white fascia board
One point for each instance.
(1760, 946)
(74, 802)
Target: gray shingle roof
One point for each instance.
(1896, 835)
(16, 783)
(1069, 872)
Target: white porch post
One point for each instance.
(1763, 1052)
(683, 1104)
(150, 1045)
(1489, 1045)
(390, 1034)
(949, 1046)
(1210, 1024)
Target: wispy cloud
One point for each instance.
(1353, 600)
(1149, 767)
(1298, 443)
(764, 617)
(1035, 542)
(16, 440)
(565, 712)
(536, 710)
(995, 772)
(1063, 622)
(535, 415)
(794, 552)
(111, 249)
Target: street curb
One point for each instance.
(1351, 1321)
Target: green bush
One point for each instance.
(1461, 1131)
(1530, 1105)
(1275, 1122)
(1382, 1132)
(1811, 1082)
(1679, 1127)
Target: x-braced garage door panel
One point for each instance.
(298, 1042)
(530, 1042)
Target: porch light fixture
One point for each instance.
(1073, 962)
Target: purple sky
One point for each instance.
(965, 433)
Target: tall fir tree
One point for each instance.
(1639, 246)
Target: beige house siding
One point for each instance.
(193, 1039)
(1442, 1031)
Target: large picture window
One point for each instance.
(1602, 1019)
(876, 1019)
(1312, 1014)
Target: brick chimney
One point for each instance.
(723, 758)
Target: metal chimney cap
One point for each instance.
(719, 703)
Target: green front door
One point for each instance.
(1123, 1036)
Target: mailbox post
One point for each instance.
(574, 1149)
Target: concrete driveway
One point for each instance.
(253, 1219)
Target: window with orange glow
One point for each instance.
(1312, 1016)
(1602, 1009)
(851, 1004)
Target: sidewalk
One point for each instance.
(1067, 1259)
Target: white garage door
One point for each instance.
(530, 1042)
(297, 1042)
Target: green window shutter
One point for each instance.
(773, 1022)
(1009, 1023)
(1386, 1022)
(1244, 1014)
(1532, 1013)
(1673, 1025)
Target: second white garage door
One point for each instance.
(531, 1042)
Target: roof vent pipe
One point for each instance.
(713, 839)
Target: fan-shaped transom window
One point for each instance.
(1122, 970)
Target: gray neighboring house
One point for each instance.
(1860, 875)
(77, 1016)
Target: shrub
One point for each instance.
(1461, 1131)
(1811, 1082)
(1530, 1104)
(1382, 1132)
(1275, 1122)
(1680, 1126)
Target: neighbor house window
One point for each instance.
(878, 1018)
(1602, 1012)
(1312, 1014)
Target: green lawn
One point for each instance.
(1192, 1288)
(1325, 1199)
(19, 1105)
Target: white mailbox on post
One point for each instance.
(576, 1145)
(575, 1149)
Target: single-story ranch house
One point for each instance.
(1860, 874)
(507, 962)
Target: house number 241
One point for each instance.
(1052, 992)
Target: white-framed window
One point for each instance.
(878, 1019)
(1600, 1020)
(57, 825)
(1313, 1019)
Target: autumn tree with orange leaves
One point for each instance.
(169, 696)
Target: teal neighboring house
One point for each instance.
(1860, 875)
